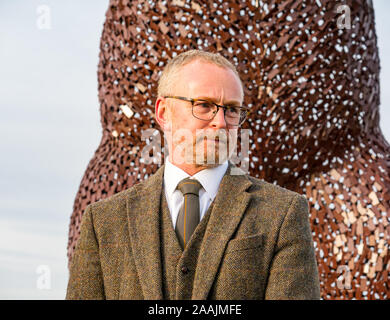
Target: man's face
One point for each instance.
(193, 140)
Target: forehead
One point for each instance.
(204, 79)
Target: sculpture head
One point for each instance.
(312, 89)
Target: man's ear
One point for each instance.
(162, 114)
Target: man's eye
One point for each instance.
(233, 110)
(204, 104)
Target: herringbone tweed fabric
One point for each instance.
(256, 244)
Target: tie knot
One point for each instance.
(188, 185)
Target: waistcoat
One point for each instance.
(178, 265)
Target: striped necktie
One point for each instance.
(189, 216)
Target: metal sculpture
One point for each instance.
(314, 91)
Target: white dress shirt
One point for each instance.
(208, 178)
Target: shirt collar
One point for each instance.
(209, 178)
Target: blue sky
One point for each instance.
(50, 128)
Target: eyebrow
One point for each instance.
(227, 103)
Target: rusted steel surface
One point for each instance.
(317, 133)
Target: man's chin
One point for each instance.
(206, 165)
(210, 160)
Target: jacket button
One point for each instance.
(184, 270)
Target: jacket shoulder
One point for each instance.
(115, 200)
(276, 196)
(115, 205)
(111, 212)
(259, 185)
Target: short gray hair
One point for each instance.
(166, 79)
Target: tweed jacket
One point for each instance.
(257, 245)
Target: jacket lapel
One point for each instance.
(143, 208)
(229, 207)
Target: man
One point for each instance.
(196, 229)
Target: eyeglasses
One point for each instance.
(206, 110)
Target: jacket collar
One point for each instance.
(143, 216)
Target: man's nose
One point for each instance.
(219, 119)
